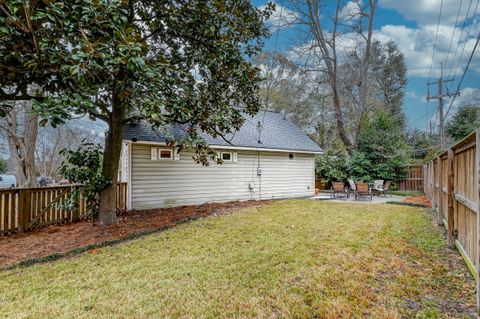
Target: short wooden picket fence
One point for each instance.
(23, 209)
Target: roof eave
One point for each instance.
(233, 147)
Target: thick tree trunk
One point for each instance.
(340, 125)
(111, 159)
(365, 67)
(366, 58)
(329, 58)
(22, 143)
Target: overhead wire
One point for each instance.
(436, 39)
(433, 54)
(418, 119)
(454, 30)
(451, 69)
(463, 75)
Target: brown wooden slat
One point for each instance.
(13, 212)
(40, 216)
(414, 179)
(22, 209)
(6, 211)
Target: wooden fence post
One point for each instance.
(439, 192)
(450, 194)
(434, 180)
(425, 179)
(23, 210)
(432, 183)
(77, 198)
(477, 179)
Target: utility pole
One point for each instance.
(440, 96)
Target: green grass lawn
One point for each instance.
(290, 259)
(405, 193)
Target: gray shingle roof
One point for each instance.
(277, 133)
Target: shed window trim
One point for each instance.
(230, 155)
(159, 154)
(163, 151)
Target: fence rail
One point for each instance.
(22, 209)
(451, 182)
(413, 181)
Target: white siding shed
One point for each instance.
(175, 182)
(274, 162)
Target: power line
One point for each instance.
(435, 42)
(463, 76)
(451, 69)
(418, 150)
(453, 33)
(440, 97)
(460, 38)
(433, 54)
(418, 119)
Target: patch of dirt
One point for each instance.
(423, 200)
(62, 238)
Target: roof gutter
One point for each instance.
(240, 148)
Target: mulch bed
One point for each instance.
(63, 238)
(422, 200)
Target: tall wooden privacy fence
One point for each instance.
(22, 209)
(451, 182)
(414, 180)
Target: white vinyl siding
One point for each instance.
(183, 182)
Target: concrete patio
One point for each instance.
(377, 199)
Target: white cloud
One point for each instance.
(350, 11)
(426, 11)
(281, 18)
(417, 46)
(417, 43)
(468, 95)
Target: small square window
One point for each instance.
(226, 156)
(165, 154)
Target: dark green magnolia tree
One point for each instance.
(31, 48)
(463, 122)
(159, 61)
(382, 151)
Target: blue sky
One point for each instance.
(412, 24)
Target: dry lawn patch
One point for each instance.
(60, 239)
(290, 259)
